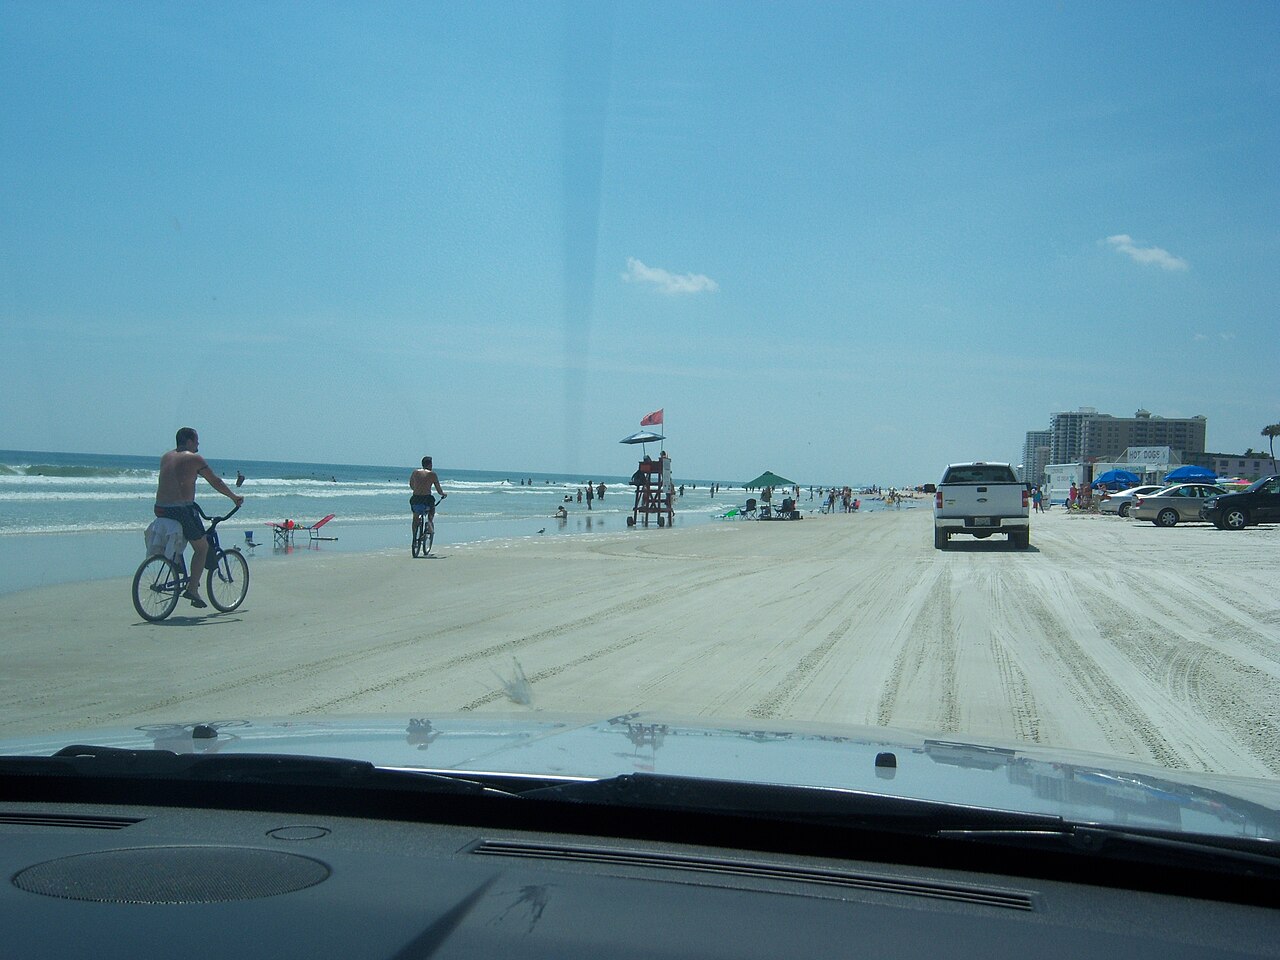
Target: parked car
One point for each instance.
(1122, 501)
(1260, 503)
(1171, 505)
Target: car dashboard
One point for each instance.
(127, 880)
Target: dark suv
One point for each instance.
(1235, 511)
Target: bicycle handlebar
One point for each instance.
(214, 521)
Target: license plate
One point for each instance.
(982, 522)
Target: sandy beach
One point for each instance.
(1109, 635)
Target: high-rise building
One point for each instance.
(1105, 437)
(1035, 454)
(1085, 434)
(1067, 429)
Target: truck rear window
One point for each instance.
(980, 473)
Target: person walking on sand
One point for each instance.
(176, 500)
(1037, 499)
(422, 502)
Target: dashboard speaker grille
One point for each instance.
(768, 871)
(172, 875)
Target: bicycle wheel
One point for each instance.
(155, 588)
(428, 536)
(417, 538)
(228, 581)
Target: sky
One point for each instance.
(847, 242)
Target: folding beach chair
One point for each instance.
(312, 530)
(282, 532)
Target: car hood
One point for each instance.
(1077, 786)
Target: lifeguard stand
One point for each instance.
(653, 492)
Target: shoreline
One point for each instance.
(29, 560)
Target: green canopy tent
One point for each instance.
(769, 479)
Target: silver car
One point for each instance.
(1180, 502)
(1121, 502)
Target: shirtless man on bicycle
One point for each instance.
(176, 500)
(421, 482)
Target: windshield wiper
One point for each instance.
(88, 761)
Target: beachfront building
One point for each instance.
(1066, 430)
(1084, 443)
(1036, 451)
(1249, 465)
(1086, 435)
(1105, 437)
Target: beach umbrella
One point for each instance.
(643, 436)
(1189, 473)
(769, 479)
(1116, 478)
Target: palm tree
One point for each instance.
(1271, 432)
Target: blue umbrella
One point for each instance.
(1116, 478)
(1189, 473)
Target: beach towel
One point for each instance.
(164, 537)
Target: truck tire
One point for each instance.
(940, 539)
(1020, 541)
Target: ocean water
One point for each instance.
(68, 517)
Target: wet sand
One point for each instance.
(1108, 635)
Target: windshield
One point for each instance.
(595, 362)
(980, 473)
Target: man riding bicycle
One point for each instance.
(176, 500)
(422, 503)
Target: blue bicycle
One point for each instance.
(160, 582)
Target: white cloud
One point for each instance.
(1123, 243)
(666, 281)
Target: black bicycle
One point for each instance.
(424, 527)
(160, 582)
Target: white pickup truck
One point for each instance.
(981, 499)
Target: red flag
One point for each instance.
(651, 419)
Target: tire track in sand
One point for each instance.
(785, 691)
(1236, 698)
(927, 656)
(515, 644)
(317, 667)
(1119, 716)
(495, 695)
